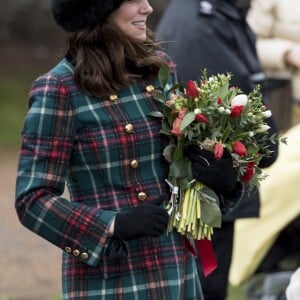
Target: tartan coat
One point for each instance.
(109, 154)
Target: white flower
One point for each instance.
(263, 128)
(267, 113)
(251, 133)
(227, 111)
(221, 109)
(197, 111)
(239, 100)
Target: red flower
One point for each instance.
(249, 172)
(236, 111)
(218, 151)
(219, 100)
(201, 118)
(191, 89)
(239, 148)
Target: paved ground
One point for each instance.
(29, 266)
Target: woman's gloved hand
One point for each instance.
(219, 175)
(143, 220)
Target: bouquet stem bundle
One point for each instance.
(187, 217)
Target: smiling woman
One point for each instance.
(131, 18)
(88, 127)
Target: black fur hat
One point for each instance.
(72, 15)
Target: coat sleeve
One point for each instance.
(47, 139)
(270, 49)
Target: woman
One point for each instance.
(87, 125)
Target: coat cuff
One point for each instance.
(91, 249)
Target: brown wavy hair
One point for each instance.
(106, 59)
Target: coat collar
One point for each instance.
(226, 8)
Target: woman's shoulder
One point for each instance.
(62, 71)
(60, 77)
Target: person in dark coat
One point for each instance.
(214, 35)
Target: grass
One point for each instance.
(236, 292)
(13, 108)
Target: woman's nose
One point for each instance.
(146, 8)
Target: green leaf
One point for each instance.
(178, 154)
(211, 214)
(208, 195)
(159, 96)
(180, 168)
(252, 149)
(284, 140)
(171, 119)
(163, 75)
(185, 181)
(224, 90)
(210, 208)
(174, 87)
(168, 152)
(187, 120)
(165, 128)
(156, 114)
(227, 132)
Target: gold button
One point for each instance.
(113, 97)
(68, 249)
(134, 164)
(150, 88)
(129, 128)
(142, 196)
(84, 256)
(76, 252)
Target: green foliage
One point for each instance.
(13, 106)
(216, 117)
(210, 112)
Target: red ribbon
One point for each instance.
(207, 256)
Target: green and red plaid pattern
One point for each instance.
(70, 138)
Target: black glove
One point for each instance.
(230, 200)
(143, 220)
(219, 175)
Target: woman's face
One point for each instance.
(131, 18)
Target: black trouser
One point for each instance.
(215, 285)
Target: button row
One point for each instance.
(149, 89)
(76, 253)
(129, 128)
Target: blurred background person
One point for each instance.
(293, 288)
(276, 24)
(214, 35)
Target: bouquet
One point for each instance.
(215, 116)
